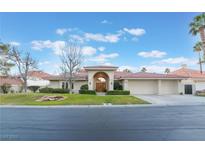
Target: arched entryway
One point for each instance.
(101, 81)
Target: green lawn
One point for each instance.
(70, 99)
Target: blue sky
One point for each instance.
(127, 40)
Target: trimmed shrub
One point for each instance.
(118, 92)
(59, 90)
(33, 88)
(84, 87)
(53, 90)
(5, 88)
(91, 92)
(46, 90)
(117, 85)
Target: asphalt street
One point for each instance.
(153, 123)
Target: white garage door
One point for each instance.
(143, 86)
(200, 85)
(169, 87)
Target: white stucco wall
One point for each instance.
(54, 84)
(33, 81)
(200, 85)
(78, 84)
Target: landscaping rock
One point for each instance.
(50, 98)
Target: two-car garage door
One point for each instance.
(151, 87)
(143, 86)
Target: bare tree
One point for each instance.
(71, 59)
(24, 64)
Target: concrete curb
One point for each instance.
(94, 106)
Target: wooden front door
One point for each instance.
(101, 87)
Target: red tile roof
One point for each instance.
(122, 75)
(190, 73)
(142, 75)
(10, 80)
(38, 74)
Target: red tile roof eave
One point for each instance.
(163, 78)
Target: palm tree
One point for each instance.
(127, 70)
(167, 71)
(198, 48)
(197, 26)
(143, 69)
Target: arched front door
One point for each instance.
(101, 82)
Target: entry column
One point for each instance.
(159, 87)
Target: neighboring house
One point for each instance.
(195, 81)
(101, 79)
(14, 82)
(38, 78)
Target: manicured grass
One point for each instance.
(70, 99)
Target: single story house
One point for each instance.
(15, 83)
(38, 78)
(101, 78)
(195, 80)
(35, 78)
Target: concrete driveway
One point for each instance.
(173, 99)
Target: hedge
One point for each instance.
(91, 92)
(84, 87)
(53, 90)
(118, 92)
(60, 90)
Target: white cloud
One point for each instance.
(101, 48)
(135, 31)
(104, 57)
(88, 50)
(77, 38)
(112, 38)
(56, 46)
(106, 22)
(14, 43)
(153, 54)
(107, 64)
(177, 60)
(44, 63)
(61, 31)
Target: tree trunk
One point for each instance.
(70, 83)
(25, 86)
(200, 63)
(202, 35)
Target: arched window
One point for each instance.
(63, 85)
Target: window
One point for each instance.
(72, 86)
(66, 85)
(63, 85)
